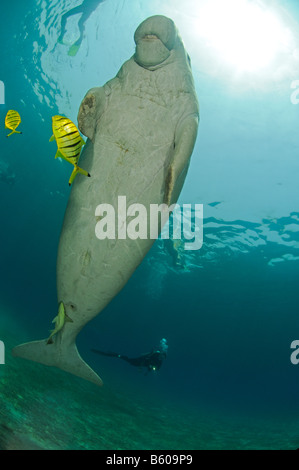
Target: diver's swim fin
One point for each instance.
(73, 50)
(55, 355)
(109, 354)
(77, 170)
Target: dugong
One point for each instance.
(141, 127)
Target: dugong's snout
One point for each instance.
(155, 38)
(160, 27)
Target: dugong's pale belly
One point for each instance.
(142, 127)
(130, 156)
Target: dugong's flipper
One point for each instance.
(67, 359)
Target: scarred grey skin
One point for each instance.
(142, 127)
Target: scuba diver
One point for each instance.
(152, 361)
(86, 8)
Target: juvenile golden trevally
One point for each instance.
(69, 143)
(12, 121)
(59, 321)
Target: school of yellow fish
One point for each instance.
(65, 133)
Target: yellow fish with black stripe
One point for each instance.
(12, 121)
(59, 321)
(69, 143)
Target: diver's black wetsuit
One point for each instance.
(152, 360)
(86, 8)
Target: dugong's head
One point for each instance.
(155, 38)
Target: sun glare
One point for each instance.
(244, 33)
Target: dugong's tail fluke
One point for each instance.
(67, 359)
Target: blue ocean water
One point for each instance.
(229, 311)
